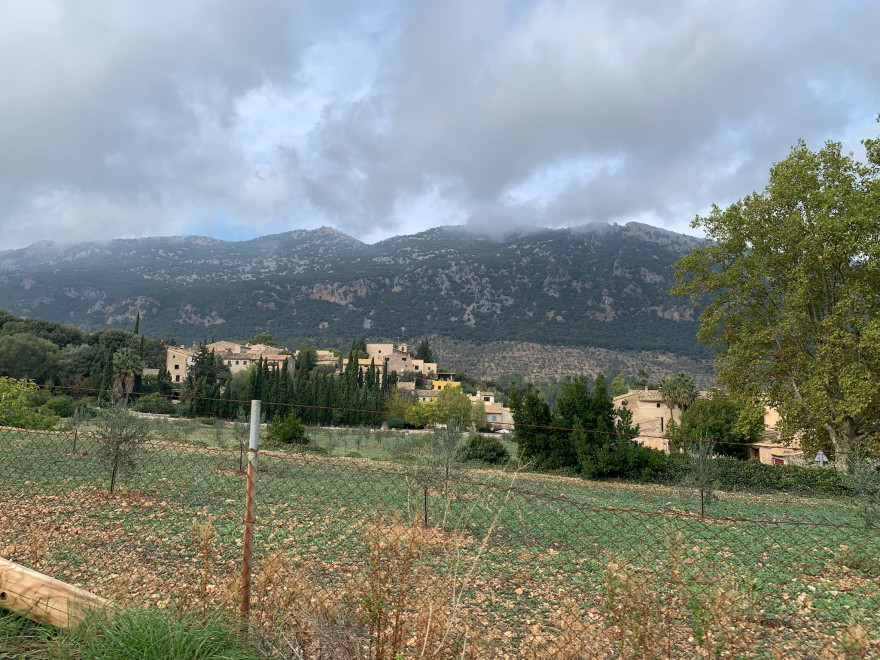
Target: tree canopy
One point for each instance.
(582, 431)
(455, 406)
(720, 421)
(789, 281)
(27, 356)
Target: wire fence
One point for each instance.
(424, 558)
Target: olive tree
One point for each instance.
(120, 434)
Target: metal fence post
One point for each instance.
(250, 497)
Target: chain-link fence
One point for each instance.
(364, 558)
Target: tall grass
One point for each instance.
(20, 638)
(146, 634)
(151, 634)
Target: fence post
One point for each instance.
(250, 498)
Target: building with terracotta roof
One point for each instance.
(238, 357)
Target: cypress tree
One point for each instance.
(104, 395)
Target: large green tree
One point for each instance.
(27, 356)
(455, 406)
(789, 280)
(204, 378)
(721, 421)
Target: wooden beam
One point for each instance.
(44, 599)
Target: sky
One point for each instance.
(231, 119)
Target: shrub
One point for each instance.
(760, 478)
(154, 403)
(395, 422)
(732, 474)
(63, 406)
(17, 408)
(484, 449)
(288, 431)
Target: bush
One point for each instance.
(395, 422)
(288, 431)
(16, 407)
(732, 474)
(63, 406)
(207, 421)
(154, 403)
(760, 478)
(484, 449)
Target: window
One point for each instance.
(486, 398)
(658, 405)
(177, 378)
(494, 418)
(177, 366)
(245, 362)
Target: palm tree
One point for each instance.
(127, 365)
(678, 392)
(686, 390)
(667, 393)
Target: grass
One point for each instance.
(145, 634)
(532, 554)
(20, 638)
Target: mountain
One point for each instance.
(598, 286)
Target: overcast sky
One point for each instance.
(237, 119)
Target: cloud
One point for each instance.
(380, 118)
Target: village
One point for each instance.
(650, 409)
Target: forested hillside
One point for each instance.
(599, 286)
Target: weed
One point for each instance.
(204, 532)
(36, 545)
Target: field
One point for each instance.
(366, 554)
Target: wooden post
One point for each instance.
(250, 497)
(44, 599)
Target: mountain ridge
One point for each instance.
(599, 285)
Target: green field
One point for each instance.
(528, 554)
